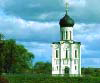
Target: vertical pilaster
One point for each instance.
(80, 59)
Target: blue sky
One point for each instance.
(35, 24)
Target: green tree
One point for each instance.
(88, 71)
(97, 72)
(14, 58)
(9, 53)
(1, 54)
(42, 68)
(1, 36)
(23, 59)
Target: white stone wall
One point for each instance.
(71, 61)
(75, 60)
(55, 61)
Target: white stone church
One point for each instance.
(66, 54)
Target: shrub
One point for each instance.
(3, 80)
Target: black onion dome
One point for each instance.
(66, 21)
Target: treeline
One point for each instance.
(95, 72)
(14, 58)
(46, 68)
(42, 68)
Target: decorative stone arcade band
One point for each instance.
(65, 35)
(67, 54)
(57, 54)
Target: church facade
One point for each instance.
(66, 54)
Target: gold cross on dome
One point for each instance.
(66, 5)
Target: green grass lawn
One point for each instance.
(31, 78)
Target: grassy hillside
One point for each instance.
(30, 78)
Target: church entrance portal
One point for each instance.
(66, 70)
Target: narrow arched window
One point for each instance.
(70, 35)
(75, 53)
(56, 53)
(66, 35)
(66, 53)
(75, 68)
(57, 67)
(62, 35)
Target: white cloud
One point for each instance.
(75, 3)
(43, 16)
(78, 3)
(18, 28)
(83, 11)
(88, 32)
